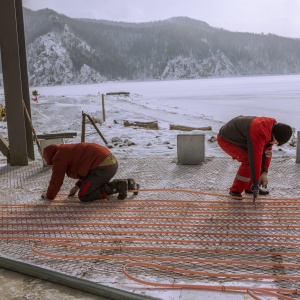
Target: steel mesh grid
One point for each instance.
(202, 210)
(166, 235)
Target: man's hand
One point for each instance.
(255, 190)
(263, 180)
(73, 191)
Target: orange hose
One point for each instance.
(266, 291)
(267, 210)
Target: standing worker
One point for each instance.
(249, 140)
(92, 165)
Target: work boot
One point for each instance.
(262, 192)
(236, 195)
(117, 186)
(132, 185)
(123, 189)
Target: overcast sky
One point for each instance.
(281, 17)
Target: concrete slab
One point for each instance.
(181, 206)
(14, 285)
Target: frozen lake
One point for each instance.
(218, 98)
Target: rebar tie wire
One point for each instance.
(270, 210)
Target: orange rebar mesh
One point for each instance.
(164, 237)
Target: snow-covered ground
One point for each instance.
(194, 103)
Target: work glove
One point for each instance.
(44, 195)
(255, 190)
(263, 180)
(73, 191)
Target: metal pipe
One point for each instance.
(69, 281)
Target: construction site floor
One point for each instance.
(182, 237)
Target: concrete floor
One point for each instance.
(17, 286)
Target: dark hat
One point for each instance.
(282, 133)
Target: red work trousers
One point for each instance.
(242, 179)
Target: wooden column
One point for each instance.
(15, 81)
(24, 75)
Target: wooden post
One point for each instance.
(103, 108)
(10, 40)
(93, 123)
(4, 148)
(34, 134)
(83, 128)
(24, 75)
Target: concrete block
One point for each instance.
(190, 148)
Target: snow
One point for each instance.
(194, 103)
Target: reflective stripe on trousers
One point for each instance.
(242, 179)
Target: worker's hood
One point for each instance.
(49, 153)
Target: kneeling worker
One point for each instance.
(92, 165)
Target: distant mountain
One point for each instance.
(62, 50)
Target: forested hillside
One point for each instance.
(62, 50)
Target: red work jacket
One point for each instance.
(74, 160)
(254, 134)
